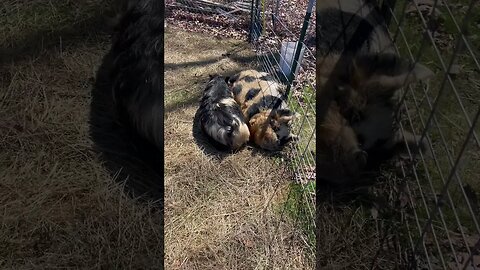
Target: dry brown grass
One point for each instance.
(221, 211)
(61, 207)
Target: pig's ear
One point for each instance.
(233, 78)
(284, 112)
(285, 115)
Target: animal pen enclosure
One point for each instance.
(423, 215)
(274, 29)
(434, 209)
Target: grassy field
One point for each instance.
(61, 207)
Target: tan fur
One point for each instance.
(241, 137)
(266, 88)
(262, 133)
(335, 128)
(262, 129)
(244, 107)
(371, 95)
(340, 154)
(266, 130)
(376, 96)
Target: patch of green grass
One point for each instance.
(181, 97)
(304, 127)
(298, 207)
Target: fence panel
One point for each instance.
(442, 211)
(283, 35)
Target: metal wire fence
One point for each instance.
(441, 208)
(426, 215)
(283, 35)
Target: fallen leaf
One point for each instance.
(462, 259)
(473, 241)
(424, 6)
(425, 2)
(455, 69)
(403, 200)
(374, 213)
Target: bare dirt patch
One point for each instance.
(222, 211)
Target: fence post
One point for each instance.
(385, 10)
(256, 27)
(251, 23)
(300, 45)
(275, 15)
(263, 20)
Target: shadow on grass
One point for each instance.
(372, 189)
(126, 156)
(200, 82)
(194, 98)
(356, 194)
(44, 39)
(171, 107)
(204, 143)
(272, 154)
(232, 54)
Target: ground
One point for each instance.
(61, 207)
(222, 211)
